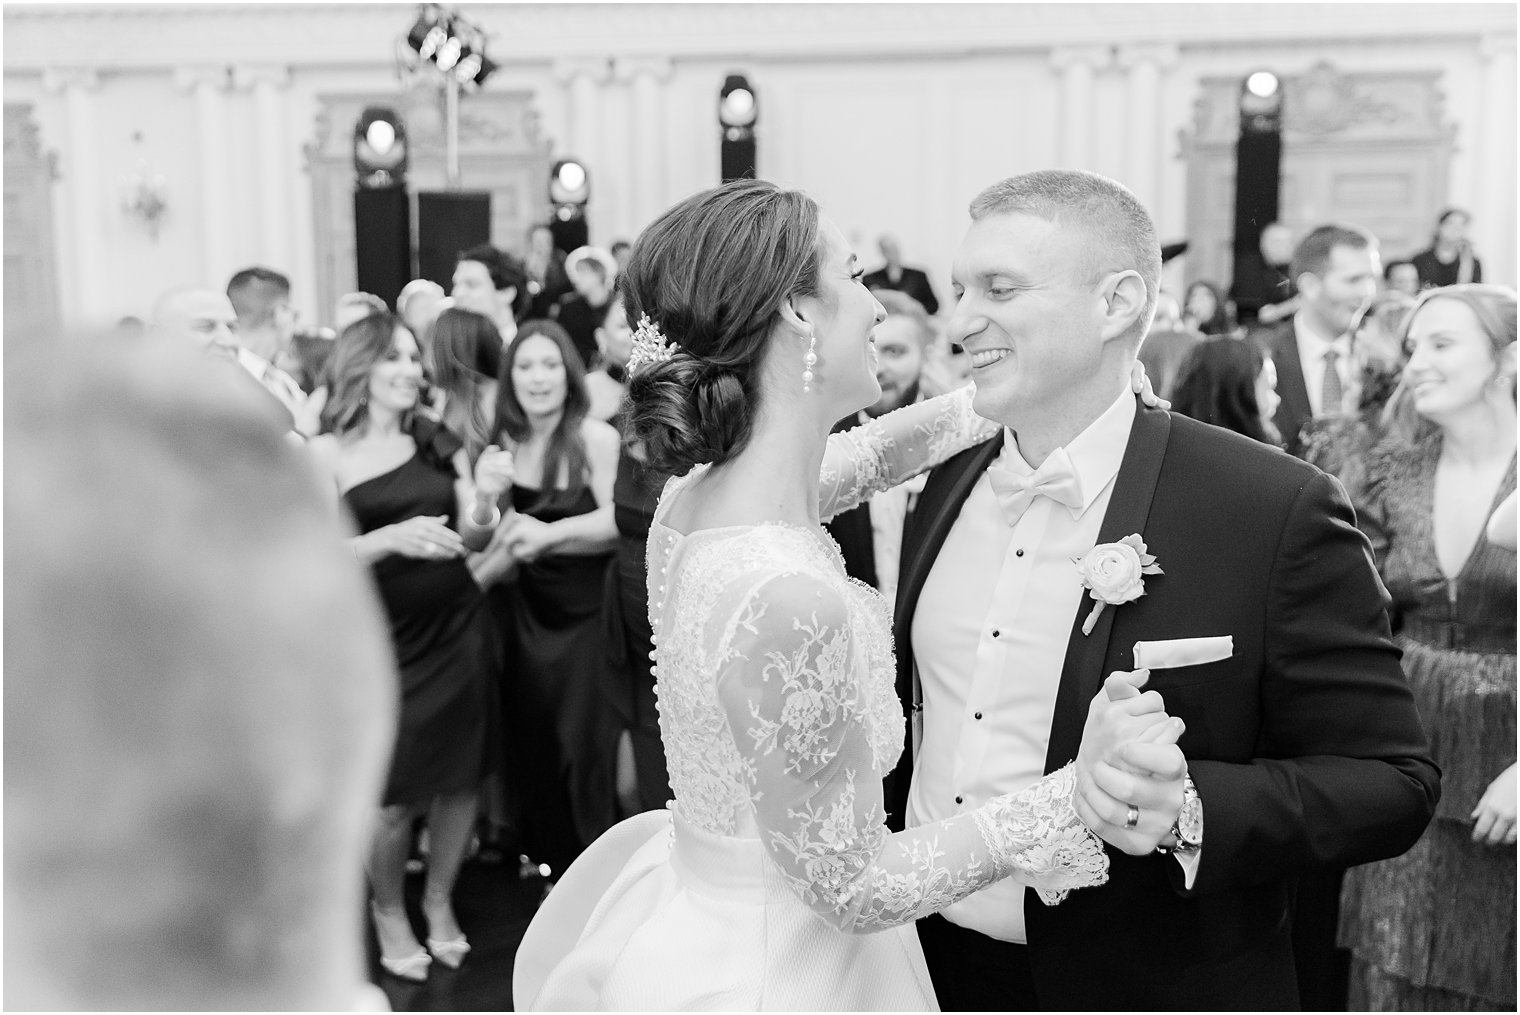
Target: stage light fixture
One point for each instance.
(738, 109)
(380, 152)
(1263, 84)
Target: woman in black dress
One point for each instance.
(558, 535)
(407, 484)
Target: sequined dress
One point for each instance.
(1434, 929)
(772, 882)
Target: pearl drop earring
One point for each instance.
(808, 362)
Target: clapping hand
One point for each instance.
(426, 537)
(494, 472)
(1129, 769)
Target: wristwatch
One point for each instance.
(1188, 828)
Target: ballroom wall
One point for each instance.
(893, 116)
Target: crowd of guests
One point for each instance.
(473, 439)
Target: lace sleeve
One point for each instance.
(792, 693)
(896, 447)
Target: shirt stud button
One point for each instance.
(979, 715)
(960, 800)
(1018, 553)
(996, 632)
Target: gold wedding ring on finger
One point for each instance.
(1131, 818)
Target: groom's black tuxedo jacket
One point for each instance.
(1305, 745)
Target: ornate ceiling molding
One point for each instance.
(143, 36)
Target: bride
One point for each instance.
(772, 882)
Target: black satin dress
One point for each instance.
(562, 729)
(439, 632)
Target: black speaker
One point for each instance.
(382, 241)
(447, 223)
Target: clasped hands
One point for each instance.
(1129, 768)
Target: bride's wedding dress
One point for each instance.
(772, 882)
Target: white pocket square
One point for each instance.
(1159, 655)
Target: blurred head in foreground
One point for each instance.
(199, 695)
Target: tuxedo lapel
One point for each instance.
(1290, 415)
(938, 506)
(1128, 508)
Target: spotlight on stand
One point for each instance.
(1258, 165)
(738, 110)
(382, 216)
(569, 193)
(380, 155)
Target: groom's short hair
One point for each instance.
(1115, 232)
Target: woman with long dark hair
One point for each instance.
(1434, 929)
(1229, 382)
(464, 359)
(1204, 309)
(408, 485)
(558, 538)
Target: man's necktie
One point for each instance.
(1331, 391)
(1055, 478)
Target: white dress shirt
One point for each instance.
(1312, 346)
(990, 637)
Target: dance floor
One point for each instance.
(494, 908)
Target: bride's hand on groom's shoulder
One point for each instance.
(1129, 766)
(1140, 384)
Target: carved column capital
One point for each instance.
(595, 69)
(1497, 46)
(629, 68)
(190, 79)
(247, 77)
(62, 79)
(1161, 55)
(1095, 58)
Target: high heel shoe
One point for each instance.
(450, 953)
(413, 968)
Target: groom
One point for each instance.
(1304, 748)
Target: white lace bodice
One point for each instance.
(780, 716)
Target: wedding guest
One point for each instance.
(418, 305)
(1204, 310)
(1336, 270)
(1434, 929)
(1402, 277)
(356, 306)
(305, 360)
(545, 268)
(606, 383)
(870, 535)
(266, 322)
(592, 271)
(1339, 444)
(199, 694)
(494, 283)
(1265, 289)
(465, 366)
(408, 485)
(894, 275)
(1449, 259)
(1163, 351)
(559, 536)
(1228, 383)
(199, 316)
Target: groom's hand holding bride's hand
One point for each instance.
(1129, 765)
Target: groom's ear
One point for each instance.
(1123, 302)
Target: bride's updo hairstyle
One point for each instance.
(712, 273)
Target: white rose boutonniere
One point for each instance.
(1113, 573)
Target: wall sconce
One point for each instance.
(145, 198)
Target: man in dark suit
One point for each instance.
(1266, 627)
(894, 275)
(1336, 270)
(870, 535)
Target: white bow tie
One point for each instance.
(1055, 478)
